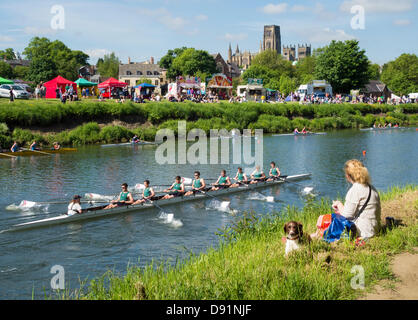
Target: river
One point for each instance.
(88, 249)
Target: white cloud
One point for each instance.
(201, 17)
(163, 16)
(402, 22)
(299, 8)
(235, 37)
(327, 35)
(275, 8)
(378, 6)
(35, 31)
(97, 53)
(6, 39)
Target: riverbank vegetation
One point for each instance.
(28, 120)
(249, 261)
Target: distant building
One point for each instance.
(17, 62)
(272, 39)
(241, 59)
(289, 52)
(221, 65)
(134, 72)
(376, 89)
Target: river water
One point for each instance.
(88, 249)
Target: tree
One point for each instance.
(6, 70)
(168, 59)
(65, 61)
(143, 80)
(110, 66)
(269, 66)
(7, 54)
(343, 65)
(192, 62)
(20, 72)
(305, 70)
(401, 75)
(287, 85)
(374, 71)
(42, 69)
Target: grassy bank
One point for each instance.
(249, 262)
(21, 117)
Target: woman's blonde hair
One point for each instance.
(357, 172)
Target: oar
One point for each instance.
(7, 155)
(207, 193)
(297, 184)
(48, 154)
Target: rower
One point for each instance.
(74, 207)
(274, 172)
(223, 182)
(15, 147)
(240, 178)
(135, 139)
(34, 146)
(147, 194)
(304, 130)
(257, 175)
(57, 146)
(296, 131)
(125, 198)
(198, 184)
(177, 189)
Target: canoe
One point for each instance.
(27, 153)
(98, 212)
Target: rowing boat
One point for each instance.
(97, 212)
(141, 143)
(26, 153)
(384, 128)
(301, 134)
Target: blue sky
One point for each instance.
(143, 28)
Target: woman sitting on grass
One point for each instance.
(362, 202)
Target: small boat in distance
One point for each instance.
(27, 152)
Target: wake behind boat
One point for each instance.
(98, 212)
(27, 152)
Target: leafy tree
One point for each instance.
(7, 54)
(42, 69)
(144, 80)
(401, 75)
(192, 62)
(287, 85)
(6, 71)
(374, 71)
(57, 55)
(305, 70)
(20, 72)
(269, 66)
(168, 59)
(343, 65)
(110, 66)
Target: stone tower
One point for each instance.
(230, 53)
(304, 51)
(289, 53)
(272, 39)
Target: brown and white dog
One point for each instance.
(294, 236)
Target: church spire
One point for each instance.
(230, 53)
(237, 51)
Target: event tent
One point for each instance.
(5, 81)
(81, 82)
(112, 83)
(144, 85)
(58, 82)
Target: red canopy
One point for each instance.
(58, 82)
(112, 83)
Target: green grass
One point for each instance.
(249, 263)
